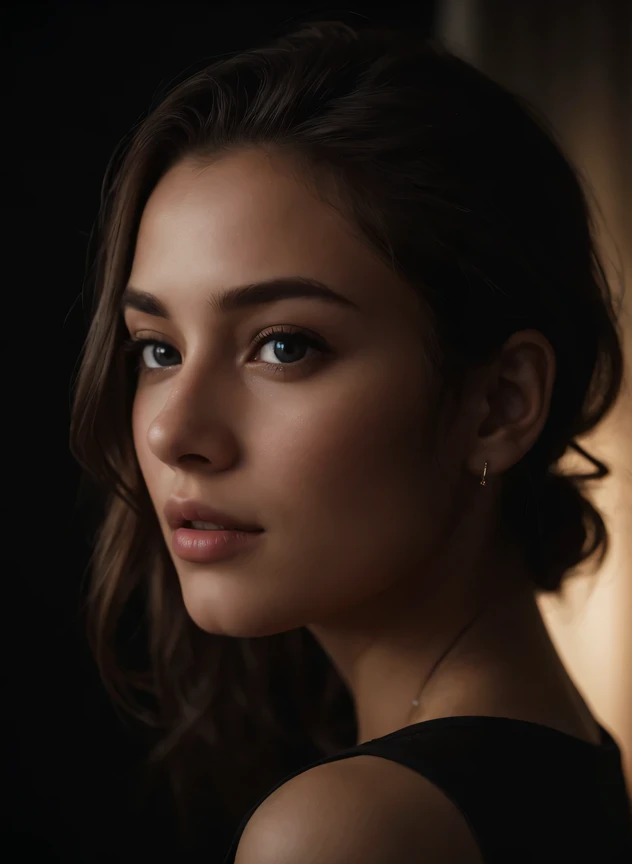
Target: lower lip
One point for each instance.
(192, 544)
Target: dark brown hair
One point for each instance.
(457, 186)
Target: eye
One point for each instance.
(136, 347)
(286, 343)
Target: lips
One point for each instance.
(180, 511)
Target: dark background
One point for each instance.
(77, 78)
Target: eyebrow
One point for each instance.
(242, 296)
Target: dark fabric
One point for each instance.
(528, 792)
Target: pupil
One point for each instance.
(159, 351)
(283, 342)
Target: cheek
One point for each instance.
(353, 506)
(355, 461)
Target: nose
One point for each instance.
(192, 425)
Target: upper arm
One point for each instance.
(331, 815)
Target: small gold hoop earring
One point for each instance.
(483, 478)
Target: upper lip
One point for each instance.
(180, 510)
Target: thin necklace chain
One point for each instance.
(460, 634)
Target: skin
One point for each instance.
(378, 534)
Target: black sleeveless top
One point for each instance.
(529, 792)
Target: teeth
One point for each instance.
(207, 526)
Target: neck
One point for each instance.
(497, 645)
(435, 652)
(435, 634)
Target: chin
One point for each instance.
(232, 616)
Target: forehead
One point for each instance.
(250, 215)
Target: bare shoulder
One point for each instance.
(360, 809)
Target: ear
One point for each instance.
(512, 402)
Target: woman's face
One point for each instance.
(329, 451)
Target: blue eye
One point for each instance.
(289, 342)
(288, 339)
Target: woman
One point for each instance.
(348, 317)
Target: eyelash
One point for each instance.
(135, 347)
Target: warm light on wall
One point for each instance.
(573, 71)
